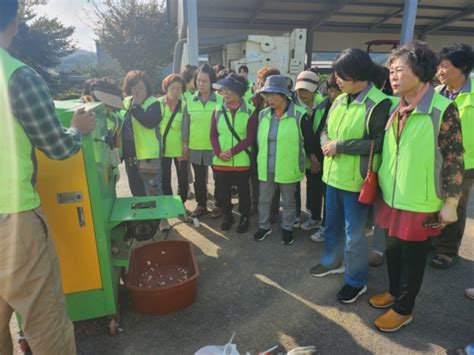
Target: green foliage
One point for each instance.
(136, 34)
(41, 42)
(71, 94)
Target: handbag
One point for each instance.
(368, 193)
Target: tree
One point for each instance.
(136, 33)
(41, 42)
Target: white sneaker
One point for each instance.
(164, 225)
(318, 236)
(296, 224)
(470, 293)
(310, 224)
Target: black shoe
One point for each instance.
(243, 226)
(287, 237)
(227, 222)
(349, 294)
(261, 234)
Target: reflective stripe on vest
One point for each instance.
(227, 140)
(147, 145)
(465, 104)
(346, 122)
(410, 175)
(174, 142)
(290, 155)
(17, 170)
(200, 117)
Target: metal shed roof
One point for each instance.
(437, 17)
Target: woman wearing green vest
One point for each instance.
(306, 87)
(453, 72)
(141, 134)
(355, 125)
(196, 133)
(284, 132)
(420, 178)
(233, 131)
(172, 108)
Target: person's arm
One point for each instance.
(150, 118)
(185, 126)
(308, 136)
(452, 150)
(215, 135)
(251, 135)
(377, 124)
(34, 109)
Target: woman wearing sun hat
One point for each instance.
(233, 130)
(283, 134)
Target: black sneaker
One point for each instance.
(243, 226)
(261, 234)
(287, 237)
(227, 222)
(349, 294)
(321, 270)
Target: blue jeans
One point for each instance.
(344, 213)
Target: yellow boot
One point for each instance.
(391, 321)
(382, 300)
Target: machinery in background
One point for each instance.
(90, 225)
(287, 53)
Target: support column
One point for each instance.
(409, 19)
(192, 35)
(309, 46)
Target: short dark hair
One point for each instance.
(8, 14)
(173, 78)
(218, 67)
(224, 73)
(132, 78)
(460, 55)
(421, 58)
(189, 72)
(353, 64)
(244, 68)
(381, 76)
(331, 82)
(206, 68)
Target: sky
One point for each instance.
(73, 13)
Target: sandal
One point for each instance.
(442, 261)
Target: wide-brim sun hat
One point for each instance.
(275, 84)
(108, 99)
(307, 80)
(231, 84)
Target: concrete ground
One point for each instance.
(265, 294)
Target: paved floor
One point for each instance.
(264, 293)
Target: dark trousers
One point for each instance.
(315, 188)
(406, 262)
(224, 182)
(200, 184)
(135, 182)
(181, 173)
(450, 239)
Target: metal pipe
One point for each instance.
(409, 19)
(178, 55)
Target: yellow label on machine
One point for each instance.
(62, 186)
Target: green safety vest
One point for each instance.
(345, 122)
(187, 95)
(174, 142)
(248, 93)
(410, 175)
(17, 170)
(200, 117)
(290, 155)
(227, 140)
(465, 104)
(147, 145)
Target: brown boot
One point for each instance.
(216, 212)
(199, 211)
(382, 300)
(391, 321)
